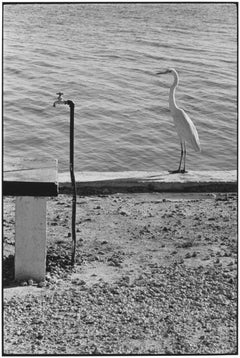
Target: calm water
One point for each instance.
(104, 57)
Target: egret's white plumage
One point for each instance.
(185, 128)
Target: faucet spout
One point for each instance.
(59, 99)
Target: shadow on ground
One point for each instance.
(58, 262)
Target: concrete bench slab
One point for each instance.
(30, 178)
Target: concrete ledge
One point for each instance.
(91, 183)
(31, 177)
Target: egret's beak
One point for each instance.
(162, 72)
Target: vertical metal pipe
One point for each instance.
(74, 191)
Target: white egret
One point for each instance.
(185, 128)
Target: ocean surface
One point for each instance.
(104, 57)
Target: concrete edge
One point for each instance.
(93, 183)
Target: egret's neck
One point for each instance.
(172, 101)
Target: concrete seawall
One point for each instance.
(91, 183)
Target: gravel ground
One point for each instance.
(154, 274)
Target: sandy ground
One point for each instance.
(154, 274)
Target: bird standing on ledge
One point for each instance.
(185, 128)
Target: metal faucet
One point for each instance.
(59, 100)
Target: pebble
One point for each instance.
(41, 284)
(124, 212)
(205, 258)
(39, 336)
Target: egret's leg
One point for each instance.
(179, 168)
(184, 158)
(182, 152)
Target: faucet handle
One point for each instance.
(60, 94)
(59, 99)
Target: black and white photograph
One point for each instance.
(119, 178)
